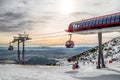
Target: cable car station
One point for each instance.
(97, 25)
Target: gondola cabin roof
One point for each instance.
(106, 23)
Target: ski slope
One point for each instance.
(85, 72)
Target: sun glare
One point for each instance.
(66, 6)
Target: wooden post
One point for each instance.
(18, 52)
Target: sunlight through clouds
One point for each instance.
(47, 16)
(67, 6)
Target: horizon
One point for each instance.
(29, 45)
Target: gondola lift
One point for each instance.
(69, 43)
(10, 48)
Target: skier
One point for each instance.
(75, 65)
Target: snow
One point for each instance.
(111, 51)
(38, 72)
(64, 70)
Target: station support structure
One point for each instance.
(100, 53)
(21, 39)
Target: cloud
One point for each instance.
(82, 14)
(14, 16)
(19, 15)
(97, 4)
(47, 17)
(1, 1)
(12, 21)
(24, 2)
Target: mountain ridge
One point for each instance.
(110, 49)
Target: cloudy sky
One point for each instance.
(37, 17)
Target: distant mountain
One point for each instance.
(40, 55)
(40, 60)
(111, 50)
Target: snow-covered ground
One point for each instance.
(111, 51)
(85, 72)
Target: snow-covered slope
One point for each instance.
(85, 72)
(111, 50)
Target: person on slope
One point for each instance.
(75, 65)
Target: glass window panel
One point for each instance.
(100, 20)
(108, 19)
(113, 18)
(81, 24)
(93, 22)
(97, 21)
(89, 24)
(117, 18)
(104, 20)
(85, 24)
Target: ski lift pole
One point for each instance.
(18, 51)
(20, 39)
(23, 52)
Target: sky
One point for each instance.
(38, 17)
